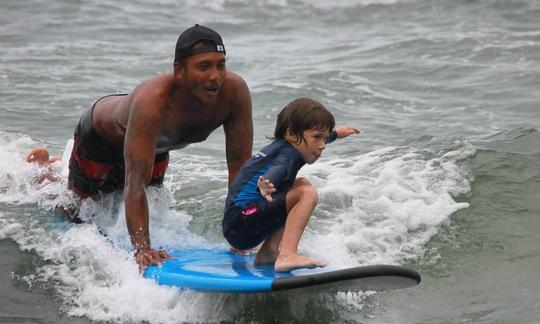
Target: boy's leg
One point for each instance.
(301, 201)
(269, 250)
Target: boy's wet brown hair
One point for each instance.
(300, 115)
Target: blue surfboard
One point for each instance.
(218, 270)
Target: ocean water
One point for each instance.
(444, 178)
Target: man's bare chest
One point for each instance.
(179, 130)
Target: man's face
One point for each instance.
(204, 75)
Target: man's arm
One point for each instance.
(238, 129)
(139, 154)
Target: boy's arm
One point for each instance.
(281, 168)
(266, 188)
(342, 132)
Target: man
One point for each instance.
(123, 141)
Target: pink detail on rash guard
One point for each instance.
(251, 209)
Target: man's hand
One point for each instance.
(266, 188)
(150, 257)
(347, 130)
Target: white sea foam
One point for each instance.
(218, 5)
(94, 275)
(380, 207)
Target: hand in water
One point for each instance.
(266, 188)
(150, 257)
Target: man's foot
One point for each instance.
(287, 263)
(72, 214)
(39, 155)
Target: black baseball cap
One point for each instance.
(193, 35)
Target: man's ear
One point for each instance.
(179, 72)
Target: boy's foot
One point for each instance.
(265, 257)
(242, 252)
(287, 263)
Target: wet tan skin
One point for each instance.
(178, 109)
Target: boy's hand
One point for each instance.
(347, 130)
(266, 188)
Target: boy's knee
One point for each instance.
(301, 181)
(308, 191)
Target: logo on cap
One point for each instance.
(220, 48)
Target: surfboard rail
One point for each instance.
(217, 270)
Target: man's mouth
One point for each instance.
(213, 89)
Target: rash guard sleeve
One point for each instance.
(283, 169)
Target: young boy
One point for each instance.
(266, 202)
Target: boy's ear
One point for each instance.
(289, 136)
(292, 138)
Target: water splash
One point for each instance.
(382, 207)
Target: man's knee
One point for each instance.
(75, 189)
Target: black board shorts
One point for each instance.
(96, 167)
(246, 228)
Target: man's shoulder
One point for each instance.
(235, 84)
(153, 91)
(156, 85)
(236, 95)
(233, 77)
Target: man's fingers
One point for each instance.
(164, 254)
(142, 262)
(151, 257)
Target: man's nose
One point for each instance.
(214, 74)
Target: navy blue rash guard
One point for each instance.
(278, 162)
(248, 218)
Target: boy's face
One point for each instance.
(312, 146)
